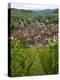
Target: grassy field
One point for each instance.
(27, 61)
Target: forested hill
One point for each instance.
(45, 11)
(21, 10)
(56, 11)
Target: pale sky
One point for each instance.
(32, 6)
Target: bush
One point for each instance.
(49, 59)
(28, 61)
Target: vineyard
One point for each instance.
(33, 43)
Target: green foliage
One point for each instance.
(19, 44)
(49, 59)
(28, 61)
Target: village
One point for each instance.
(35, 34)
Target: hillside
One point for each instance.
(43, 12)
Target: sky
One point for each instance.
(32, 6)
